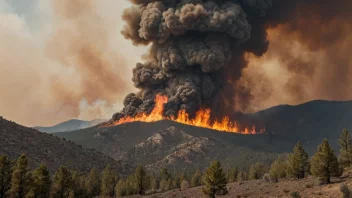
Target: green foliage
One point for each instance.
(93, 183)
(40, 183)
(5, 175)
(20, 178)
(231, 175)
(215, 181)
(141, 179)
(196, 179)
(297, 163)
(345, 158)
(184, 184)
(324, 163)
(62, 183)
(164, 174)
(154, 183)
(257, 171)
(242, 176)
(108, 182)
(278, 170)
(78, 185)
(295, 194)
(164, 185)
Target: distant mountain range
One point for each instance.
(171, 144)
(69, 125)
(50, 150)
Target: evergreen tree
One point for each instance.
(121, 188)
(154, 183)
(141, 179)
(20, 178)
(108, 182)
(93, 183)
(5, 175)
(345, 158)
(256, 171)
(196, 179)
(164, 174)
(242, 176)
(298, 163)
(324, 163)
(232, 175)
(40, 183)
(215, 181)
(62, 183)
(278, 170)
(78, 185)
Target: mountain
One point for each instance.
(50, 150)
(166, 143)
(174, 145)
(70, 125)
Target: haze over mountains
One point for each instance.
(70, 125)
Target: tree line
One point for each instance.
(16, 181)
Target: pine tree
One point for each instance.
(256, 171)
(62, 183)
(232, 175)
(5, 175)
(215, 181)
(121, 188)
(41, 183)
(141, 179)
(324, 163)
(345, 158)
(20, 178)
(242, 176)
(298, 163)
(93, 183)
(108, 182)
(278, 170)
(164, 174)
(196, 179)
(78, 184)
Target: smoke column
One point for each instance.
(199, 48)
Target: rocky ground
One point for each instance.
(308, 187)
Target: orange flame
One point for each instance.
(202, 119)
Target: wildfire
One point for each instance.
(202, 119)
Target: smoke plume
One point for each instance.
(200, 50)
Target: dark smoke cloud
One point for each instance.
(198, 48)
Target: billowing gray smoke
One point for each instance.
(197, 47)
(192, 44)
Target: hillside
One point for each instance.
(69, 125)
(174, 145)
(188, 146)
(308, 187)
(309, 122)
(50, 150)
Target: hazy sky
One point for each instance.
(64, 59)
(40, 83)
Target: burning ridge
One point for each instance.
(202, 119)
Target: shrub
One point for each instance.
(346, 191)
(266, 177)
(184, 184)
(295, 195)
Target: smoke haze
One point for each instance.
(63, 59)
